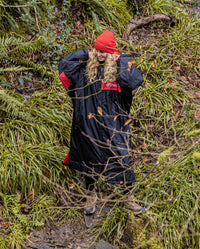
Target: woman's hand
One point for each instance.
(90, 53)
(117, 56)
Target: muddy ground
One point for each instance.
(73, 234)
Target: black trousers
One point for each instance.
(90, 182)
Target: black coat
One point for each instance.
(100, 139)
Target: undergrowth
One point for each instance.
(36, 118)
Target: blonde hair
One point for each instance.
(110, 67)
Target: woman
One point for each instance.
(100, 84)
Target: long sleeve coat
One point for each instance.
(100, 139)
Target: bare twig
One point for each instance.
(175, 43)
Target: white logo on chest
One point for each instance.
(111, 84)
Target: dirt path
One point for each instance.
(71, 235)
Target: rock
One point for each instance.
(89, 220)
(104, 245)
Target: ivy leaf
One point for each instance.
(21, 81)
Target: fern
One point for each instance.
(6, 44)
(114, 12)
(31, 14)
(13, 44)
(43, 70)
(11, 69)
(12, 106)
(38, 43)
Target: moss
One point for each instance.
(164, 154)
(2, 77)
(196, 156)
(193, 133)
(139, 233)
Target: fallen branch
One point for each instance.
(146, 20)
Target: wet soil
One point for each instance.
(73, 234)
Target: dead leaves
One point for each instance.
(171, 83)
(197, 94)
(99, 109)
(72, 186)
(4, 226)
(154, 63)
(29, 202)
(137, 162)
(145, 146)
(128, 121)
(197, 113)
(90, 116)
(130, 63)
(115, 118)
(31, 195)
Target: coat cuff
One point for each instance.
(66, 160)
(65, 80)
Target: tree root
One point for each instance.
(146, 20)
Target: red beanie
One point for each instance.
(106, 42)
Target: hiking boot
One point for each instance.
(91, 198)
(132, 205)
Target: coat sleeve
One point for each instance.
(127, 78)
(70, 65)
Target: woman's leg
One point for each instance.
(91, 196)
(89, 183)
(130, 201)
(128, 188)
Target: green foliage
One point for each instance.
(193, 133)
(31, 137)
(113, 225)
(164, 154)
(30, 15)
(18, 223)
(12, 106)
(169, 7)
(141, 233)
(196, 156)
(114, 12)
